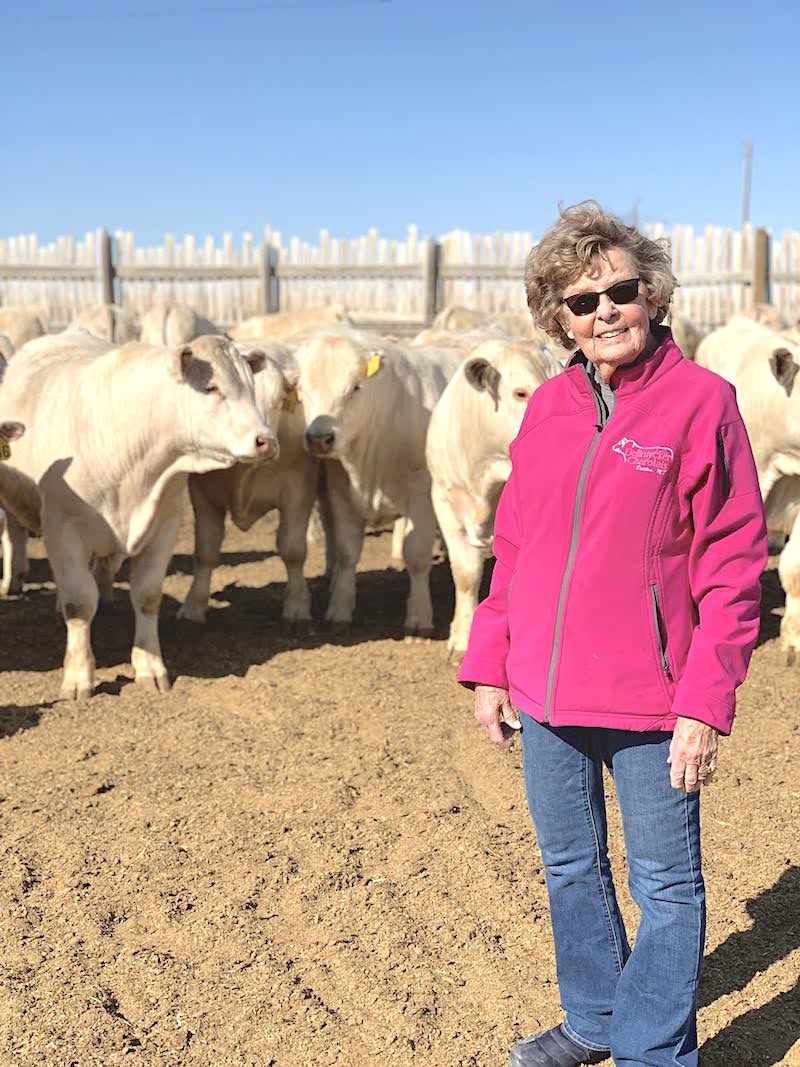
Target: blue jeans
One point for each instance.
(640, 1003)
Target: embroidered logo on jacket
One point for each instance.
(651, 458)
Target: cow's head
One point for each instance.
(508, 374)
(339, 383)
(225, 422)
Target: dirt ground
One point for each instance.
(307, 854)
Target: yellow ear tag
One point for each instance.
(374, 364)
(5, 452)
(290, 400)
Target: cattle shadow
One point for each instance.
(14, 718)
(768, 1032)
(244, 627)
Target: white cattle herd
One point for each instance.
(105, 424)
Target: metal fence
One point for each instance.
(721, 271)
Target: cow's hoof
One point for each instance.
(69, 691)
(296, 627)
(456, 655)
(418, 631)
(156, 683)
(186, 613)
(791, 657)
(339, 628)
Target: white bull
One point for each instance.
(109, 322)
(248, 491)
(285, 324)
(174, 324)
(763, 366)
(113, 434)
(471, 427)
(21, 325)
(368, 403)
(9, 431)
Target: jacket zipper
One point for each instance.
(726, 474)
(602, 420)
(660, 631)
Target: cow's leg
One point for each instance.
(398, 537)
(466, 565)
(209, 530)
(77, 598)
(296, 503)
(104, 577)
(322, 516)
(789, 574)
(418, 556)
(348, 538)
(15, 557)
(148, 570)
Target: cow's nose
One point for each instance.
(267, 446)
(320, 442)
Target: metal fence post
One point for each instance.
(761, 278)
(267, 262)
(105, 267)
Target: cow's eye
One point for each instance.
(355, 389)
(521, 394)
(213, 390)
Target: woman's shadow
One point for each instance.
(763, 1036)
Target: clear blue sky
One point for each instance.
(209, 116)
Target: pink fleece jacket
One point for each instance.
(626, 588)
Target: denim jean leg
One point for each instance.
(564, 785)
(655, 1010)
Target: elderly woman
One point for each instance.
(623, 609)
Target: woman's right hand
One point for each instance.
(495, 712)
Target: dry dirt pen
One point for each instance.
(308, 855)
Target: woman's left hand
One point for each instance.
(692, 755)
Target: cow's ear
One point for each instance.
(481, 375)
(10, 431)
(783, 366)
(182, 359)
(257, 360)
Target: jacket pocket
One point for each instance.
(661, 634)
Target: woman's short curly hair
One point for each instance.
(584, 233)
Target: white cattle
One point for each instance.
(9, 431)
(471, 428)
(174, 324)
(109, 322)
(686, 335)
(763, 364)
(248, 491)
(367, 403)
(22, 324)
(281, 325)
(113, 434)
(465, 340)
(455, 318)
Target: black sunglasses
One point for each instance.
(618, 293)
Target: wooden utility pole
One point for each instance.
(748, 173)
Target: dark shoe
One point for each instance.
(553, 1049)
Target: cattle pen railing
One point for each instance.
(389, 283)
